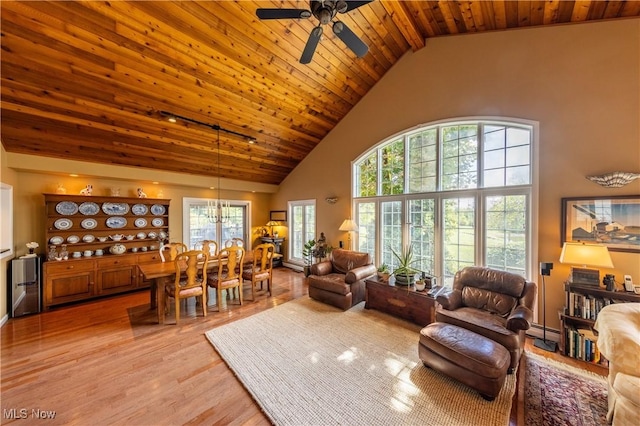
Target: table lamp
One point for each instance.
(271, 224)
(580, 253)
(349, 226)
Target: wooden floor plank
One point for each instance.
(108, 362)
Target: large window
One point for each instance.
(459, 192)
(302, 228)
(198, 227)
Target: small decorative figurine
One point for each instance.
(141, 193)
(61, 189)
(87, 190)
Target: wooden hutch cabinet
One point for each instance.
(88, 227)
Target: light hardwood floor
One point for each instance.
(109, 362)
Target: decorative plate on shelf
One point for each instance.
(139, 209)
(67, 208)
(141, 235)
(152, 234)
(115, 208)
(88, 238)
(72, 239)
(157, 221)
(57, 240)
(89, 223)
(157, 209)
(63, 224)
(116, 222)
(140, 222)
(89, 208)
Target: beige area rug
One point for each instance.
(307, 363)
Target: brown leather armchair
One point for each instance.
(492, 303)
(339, 281)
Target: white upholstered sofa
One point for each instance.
(618, 327)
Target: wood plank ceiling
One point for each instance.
(87, 80)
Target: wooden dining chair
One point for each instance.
(189, 283)
(229, 275)
(262, 268)
(234, 242)
(211, 247)
(174, 250)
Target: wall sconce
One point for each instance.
(331, 200)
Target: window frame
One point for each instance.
(188, 202)
(292, 256)
(530, 190)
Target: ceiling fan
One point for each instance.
(324, 11)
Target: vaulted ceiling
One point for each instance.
(88, 80)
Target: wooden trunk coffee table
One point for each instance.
(400, 301)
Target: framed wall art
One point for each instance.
(611, 221)
(278, 215)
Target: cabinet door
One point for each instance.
(117, 280)
(69, 288)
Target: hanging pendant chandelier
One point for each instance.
(218, 210)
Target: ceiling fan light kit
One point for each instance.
(324, 11)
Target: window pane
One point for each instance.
(494, 137)
(517, 175)
(202, 228)
(459, 236)
(393, 168)
(459, 157)
(423, 161)
(366, 219)
(391, 231)
(493, 159)
(302, 228)
(513, 154)
(367, 176)
(517, 136)
(518, 156)
(506, 242)
(422, 217)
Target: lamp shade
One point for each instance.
(349, 225)
(595, 255)
(272, 223)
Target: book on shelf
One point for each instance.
(583, 345)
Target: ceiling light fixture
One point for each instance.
(173, 118)
(218, 210)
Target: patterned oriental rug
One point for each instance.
(559, 394)
(307, 363)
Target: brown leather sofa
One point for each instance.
(339, 281)
(492, 303)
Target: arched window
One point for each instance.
(460, 192)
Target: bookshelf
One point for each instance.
(582, 305)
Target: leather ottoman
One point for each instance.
(468, 357)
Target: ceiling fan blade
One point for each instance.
(355, 4)
(349, 38)
(311, 45)
(283, 13)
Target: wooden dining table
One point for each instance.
(161, 273)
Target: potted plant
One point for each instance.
(383, 272)
(405, 273)
(307, 254)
